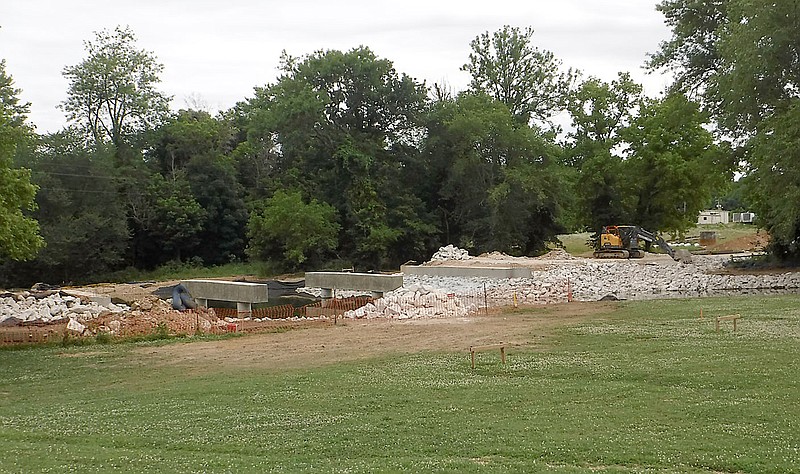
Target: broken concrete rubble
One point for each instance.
(450, 252)
(55, 306)
(575, 278)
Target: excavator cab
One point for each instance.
(610, 237)
(618, 242)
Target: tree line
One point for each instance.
(344, 160)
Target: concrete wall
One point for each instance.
(455, 271)
(235, 291)
(374, 282)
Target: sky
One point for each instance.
(215, 52)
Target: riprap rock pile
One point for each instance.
(450, 252)
(51, 307)
(415, 301)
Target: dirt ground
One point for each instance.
(358, 339)
(745, 243)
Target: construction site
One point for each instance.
(451, 286)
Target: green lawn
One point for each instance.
(575, 244)
(647, 388)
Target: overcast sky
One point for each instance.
(218, 51)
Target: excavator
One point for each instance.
(622, 241)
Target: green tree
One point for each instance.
(500, 189)
(19, 234)
(527, 79)
(177, 219)
(774, 181)
(190, 204)
(674, 163)
(186, 135)
(595, 150)
(212, 179)
(344, 128)
(693, 51)
(291, 231)
(112, 93)
(81, 214)
(741, 58)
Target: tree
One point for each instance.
(600, 111)
(186, 200)
(774, 181)
(81, 215)
(674, 163)
(693, 51)
(527, 79)
(500, 189)
(186, 135)
(291, 231)
(212, 180)
(344, 128)
(19, 234)
(177, 219)
(741, 56)
(112, 93)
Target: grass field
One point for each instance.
(646, 388)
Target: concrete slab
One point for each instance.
(469, 272)
(373, 282)
(234, 291)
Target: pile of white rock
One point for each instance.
(577, 279)
(54, 307)
(450, 252)
(592, 280)
(415, 301)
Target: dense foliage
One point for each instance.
(343, 160)
(19, 234)
(740, 59)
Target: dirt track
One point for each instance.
(359, 339)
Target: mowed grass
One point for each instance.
(646, 388)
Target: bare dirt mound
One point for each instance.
(745, 243)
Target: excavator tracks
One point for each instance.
(609, 253)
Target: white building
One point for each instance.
(713, 216)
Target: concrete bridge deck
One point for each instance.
(242, 293)
(376, 283)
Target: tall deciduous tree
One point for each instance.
(595, 151)
(499, 187)
(291, 231)
(19, 234)
(112, 93)
(741, 55)
(529, 80)
(693, 51)
(674, 163)
(344, 128)
(81, 215)
(195, 199)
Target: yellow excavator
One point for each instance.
(622, 241)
